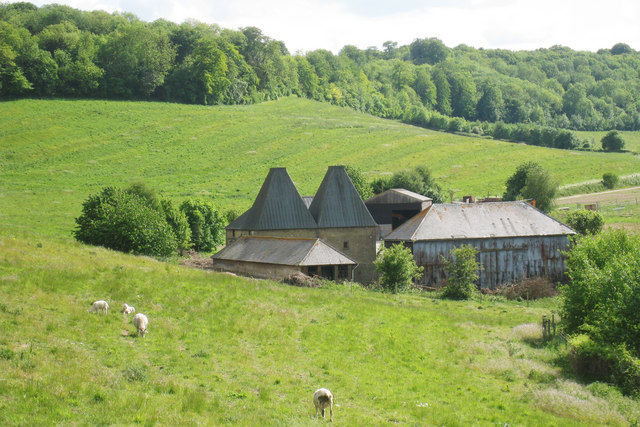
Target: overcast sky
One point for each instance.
(306, 25)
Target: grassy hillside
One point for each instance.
(55, 153)
(631, 139)
(229, 351)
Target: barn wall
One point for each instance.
(503, 260)
(361, 244)
(263, 271)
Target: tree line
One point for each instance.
(529, 96)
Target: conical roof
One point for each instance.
(337, 202)
(277, 207)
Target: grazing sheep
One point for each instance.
(101, 305)
(323, 398)
(128, 309)
(141, 322)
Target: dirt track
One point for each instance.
(625, 194)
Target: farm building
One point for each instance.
(514, 240)
(279, 257)
(394, 207)
(336, 215)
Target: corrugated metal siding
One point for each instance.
(504, 260)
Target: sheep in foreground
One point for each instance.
(101, 305)
(323, 398)
(128, 309)
(141, 322)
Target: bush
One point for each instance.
(603, 294)
(597, 362)
(177, 220)
(398, 268)
(124, 221)
(461, 272)
(612, 141)
(585, 222)
(206, 223)
(609, 180)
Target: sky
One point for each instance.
(306, 25)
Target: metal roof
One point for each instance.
(397, 195)
(307, 200)
(278, 206)
(478, 220)
(282, 250)
(337, 202)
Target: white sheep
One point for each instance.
(141, 322)
(101, 305)
(323, 398)
(128, 309)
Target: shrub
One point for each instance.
(461, 271)
(594, 361)
(398, 268)
(177, 220)
(359, 182)
(124, 221)
(206, 223)
(585, 222)
(612, 141)
(610, 180)
(603, 294)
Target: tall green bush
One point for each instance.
(123, 221)
(585, 222)
(177, 220)
(610, 180)
(603, 293)
(461, 269)
(398, 268)
(206, 223)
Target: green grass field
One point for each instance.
(631, 139)
(223, 350)
(55, 153)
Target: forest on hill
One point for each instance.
(530, 96)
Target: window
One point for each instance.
(346, 245)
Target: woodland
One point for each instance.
(535, 97)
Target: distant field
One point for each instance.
(620, 208)
(53, 154)
(631, 139)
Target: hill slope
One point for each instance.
(55, 153)
(225, 350)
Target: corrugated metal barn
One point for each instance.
(514, 240)
(394, 207)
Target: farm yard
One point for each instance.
(620, 208)
(226, 350)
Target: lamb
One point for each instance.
(128, 309)
(141, 322)
(101, 305)
(323, 398)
